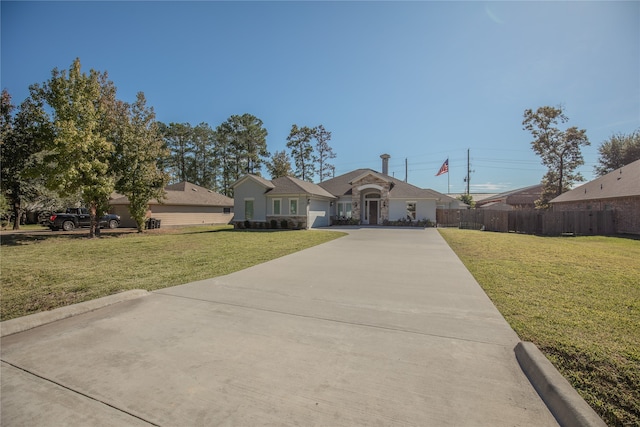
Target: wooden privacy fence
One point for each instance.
(547, 223)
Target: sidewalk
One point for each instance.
(382, 327)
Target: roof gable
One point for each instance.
(623, 182)
(258, 179)
(373, 173)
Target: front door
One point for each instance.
(373, 211)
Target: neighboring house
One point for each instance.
(475, 197)
(184, 204)
(363, 195)
(618, 191)
(522, 198)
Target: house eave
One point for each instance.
(307, 195)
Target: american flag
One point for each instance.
(444, 168)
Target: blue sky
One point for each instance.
(422, 81)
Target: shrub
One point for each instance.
(274, 224)
(284, 224)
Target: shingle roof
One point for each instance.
(623, 182)
(291, 185)
(341, 186)
(523, 195)
(186, 194)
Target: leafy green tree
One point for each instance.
(324, 152)
(77, 157)
(138, 149)
(5, 210)
(6, 127)
(468, 199)
(618, 151)
(559, 151)
(6, 110)
(279, 165)
(22, 138)
(299, 142)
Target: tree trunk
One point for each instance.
(93, 219)
(561, 178)
(17, 213)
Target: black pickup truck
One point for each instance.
(79, 217)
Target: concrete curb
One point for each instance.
(20, 324)
(564, 402)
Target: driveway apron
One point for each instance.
(382, 327)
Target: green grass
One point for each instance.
(42, 273)
(25, 227)
(577, 299)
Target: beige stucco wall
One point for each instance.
(171, 215)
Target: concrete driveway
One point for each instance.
(382, 327)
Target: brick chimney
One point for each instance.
(385, 163)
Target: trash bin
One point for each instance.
(158, 223)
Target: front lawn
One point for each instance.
(577, 299)
(43, 273)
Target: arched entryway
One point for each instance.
(371, 208)
(370, 200)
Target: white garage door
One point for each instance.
(319, 213)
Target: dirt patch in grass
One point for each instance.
(577, 299)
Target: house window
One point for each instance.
(276, 206)
(293, 207)
(411, 211)
(344, 210)
(226, 210)
(248, 209)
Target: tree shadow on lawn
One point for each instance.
(29, 237)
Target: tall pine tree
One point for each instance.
(324, 152)
(299, 142)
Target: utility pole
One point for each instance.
(406, 170)
(468, 171)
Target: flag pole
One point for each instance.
(445, 169)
